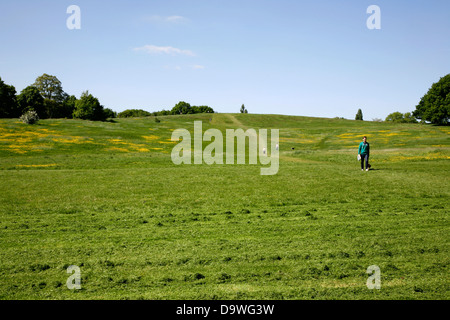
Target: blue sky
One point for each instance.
(310, 58)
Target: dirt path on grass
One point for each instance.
(238, 123)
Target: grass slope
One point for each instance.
(105, 196)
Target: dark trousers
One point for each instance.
(364, 158)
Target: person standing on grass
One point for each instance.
(364, 151)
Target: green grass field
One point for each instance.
(105, 196)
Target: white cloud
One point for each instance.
(151, 49)
(169, 19)
(198, 67)
(175, 19)
(172, 67)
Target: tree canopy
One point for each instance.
(88, 108)
(182, 108)
(47, 98)
(8, 102)
(401, 117)
(185, 108)
(30, 99)
(133, 113)
(435, 104)
(50, 87)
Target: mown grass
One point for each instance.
(106, 197)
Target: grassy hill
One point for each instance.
(105, 196)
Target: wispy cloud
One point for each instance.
(175, 19)
(198, 67)
(152, 49)
(171, 67)
(185, 67)
(169, 19)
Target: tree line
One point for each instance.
(181, 107)
(47, 98)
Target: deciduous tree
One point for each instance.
(31, 99)
(8, 101)
(88, 108)
(435, 104)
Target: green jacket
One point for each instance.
(364, 148)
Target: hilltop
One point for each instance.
(145, 136)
